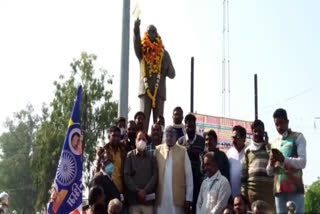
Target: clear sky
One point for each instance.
(277, 39)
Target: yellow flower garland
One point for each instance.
(152, 56)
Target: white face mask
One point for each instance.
(141, 145)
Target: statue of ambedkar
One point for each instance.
(155, 65)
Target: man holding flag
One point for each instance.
(66, 196)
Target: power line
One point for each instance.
(286, 99)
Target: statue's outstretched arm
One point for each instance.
(137, 39)
(169, 66)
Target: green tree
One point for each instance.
(313, 198)
(17, 145)
(98, 112)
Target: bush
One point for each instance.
(312, 203)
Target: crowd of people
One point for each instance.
(174, 170)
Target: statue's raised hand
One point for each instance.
(137, 25)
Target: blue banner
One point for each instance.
(66, 196)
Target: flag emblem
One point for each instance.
(67, 169)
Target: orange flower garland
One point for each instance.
(152, 56)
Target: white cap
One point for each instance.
(4, 197)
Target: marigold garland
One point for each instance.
(152, 56)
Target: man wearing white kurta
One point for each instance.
(175, 186)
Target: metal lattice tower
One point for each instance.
(226, 88)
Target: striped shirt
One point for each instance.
(254, 173)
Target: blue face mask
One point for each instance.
(109, 169)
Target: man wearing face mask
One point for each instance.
(104, 180)
(140, 177)
(175, 183)
(117, 151)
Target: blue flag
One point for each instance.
(66, 196)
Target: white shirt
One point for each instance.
(167, 204)
(235, 162)
(214, 194)
(300, 161)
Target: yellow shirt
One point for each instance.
(117, 175)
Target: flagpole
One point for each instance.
(124, 73)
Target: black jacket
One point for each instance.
(110, 190)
